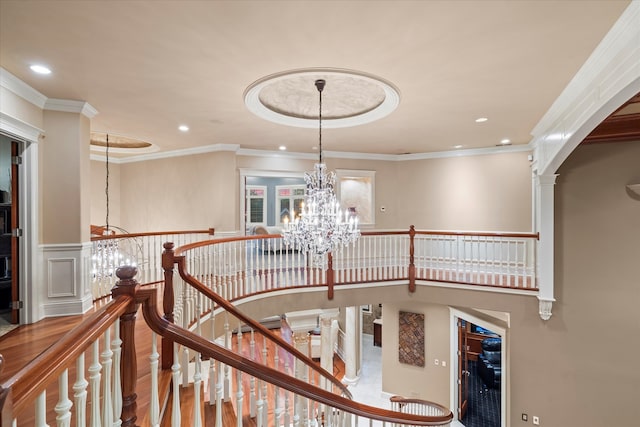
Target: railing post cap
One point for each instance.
(126, 272)
(168, 245)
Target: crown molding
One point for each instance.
(280, 154)
(312, 156)
(19, 129)
(174, 153)
(71, 106)
(20, 88)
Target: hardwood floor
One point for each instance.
(23, 344)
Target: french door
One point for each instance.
(463, 369)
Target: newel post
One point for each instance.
(330, 275)
(128, 285)
(168, 262)
(412, 266)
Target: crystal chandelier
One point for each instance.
(320, 226)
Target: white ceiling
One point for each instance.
(149, 66)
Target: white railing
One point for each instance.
(143, 250)
(236, 268)
(416, 407)
(495, 260)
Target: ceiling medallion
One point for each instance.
(120, 144)
(354, 98)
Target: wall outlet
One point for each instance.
(525, 417)
(536, 421)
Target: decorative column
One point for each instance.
(326, 346)
(545, 185)
(65, 178)
(350, 332)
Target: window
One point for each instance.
(288, 198)
(257, 204)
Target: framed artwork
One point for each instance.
(356, 192)
(411, 338)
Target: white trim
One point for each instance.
(67, 308)
(71, 106)
(244, 173)
(52, 264)
(20, 88)
(250, 152)
(179, 153)
(22, 130)
(607, 79)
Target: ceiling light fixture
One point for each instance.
(183, 128)
(320, 226)
(481, 119)
(505, 141)
(40, 69)
(282, 148)
(457, 146)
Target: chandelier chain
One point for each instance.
(106, 189)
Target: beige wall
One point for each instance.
(98, 196)
(483, 193)
(64, 161)
(414, 381)
(180, 193)
(489, 192)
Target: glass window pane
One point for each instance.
(256, 210)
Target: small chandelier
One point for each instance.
(320, 226)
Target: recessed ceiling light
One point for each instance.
(457, 146)
(505, 141)
(40, 69)
(282, 148)
(481, 119)
(183, 128)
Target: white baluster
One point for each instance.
(175, 374)
(265, 401)
(80, 393)
(218, 393)
(41, 410)
(94, 381)
(116, 348)
(197, 387)
(106, 359)
(63, 407)
(227, 369)
(252, 381)
(154, 404)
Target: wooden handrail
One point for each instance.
(405, 400)
(210, 231)
(224, 304)
(32, 379)
(182, 249)
(480, 234)
(212, 350)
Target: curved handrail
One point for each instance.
(406, 400)
(223, 303)
(212, 350)
(210, 231)
(33, 378)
